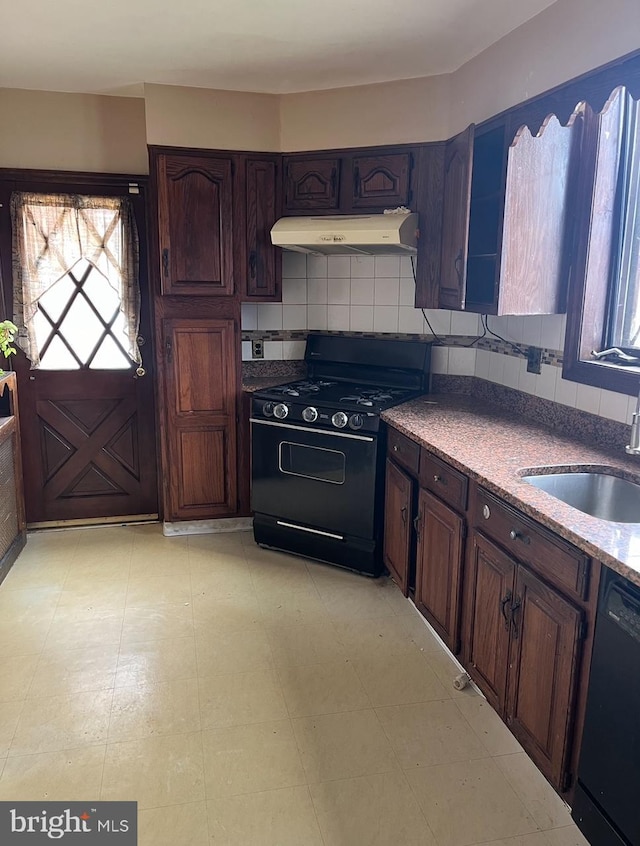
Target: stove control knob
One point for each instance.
(310, 414)
(280, 411)
(267, 409)
(356, 421)
(339, 419)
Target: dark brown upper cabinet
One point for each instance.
(195, 224)
(505, 229)
(312, 183)
(263, 261)
(382, 181)
(455, 219)
(344, 181)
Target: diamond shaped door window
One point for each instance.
(78, 280)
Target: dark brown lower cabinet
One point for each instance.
(523, 649)
(398, 516)
(489, 590)
(439, 561)
(543, 661)
(200, 426)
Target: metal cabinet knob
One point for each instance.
(486, 512)
(514, 534)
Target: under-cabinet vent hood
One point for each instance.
(339, 235)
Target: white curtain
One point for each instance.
(51, 234)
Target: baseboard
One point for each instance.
(206, 527)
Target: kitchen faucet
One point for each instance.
(633, 447)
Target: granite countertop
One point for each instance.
(494, 447)
(250, 384)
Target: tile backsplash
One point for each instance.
(367, 294)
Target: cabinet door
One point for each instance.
(312, 184)
(489, 586)
(439, 567)
(200, 418)
(397, 525)
(535, 232)
(455, 219)
(264, 261)
(542, 677)
(195, 219)
(382, 181)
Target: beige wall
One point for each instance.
(42, 129)
(565, 40)
(388, 113)
(99, 133)
(199, 117)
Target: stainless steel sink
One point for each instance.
(598, 494)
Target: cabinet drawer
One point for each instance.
(404, 451)
(556, 561)
(447, 483)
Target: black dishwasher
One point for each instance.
(606, 804)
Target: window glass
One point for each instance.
(77, 299)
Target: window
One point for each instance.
(623, 329)
(604, 297)
(76, 293)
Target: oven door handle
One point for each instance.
(313, 431)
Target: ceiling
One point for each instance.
(276, 46)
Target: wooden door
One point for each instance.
(535, 247)
(381, 182)
(312, 183)
(439, 567)
(200, 398)
(543, 659)
(87, 428)
(489, 589)
(195, 224)
(455, 219)
(397, 525)
(264, 261)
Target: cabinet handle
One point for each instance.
(416, 525)
(165, 261)
(440, 479)
(516, 605)
(168, 350)
(252, 264)
(514, 534)
(395, 447)
(403, 514)
(503, 607)
(458, 266)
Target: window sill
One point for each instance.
(603, 374)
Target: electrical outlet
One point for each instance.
(257, 349)
(534, 360)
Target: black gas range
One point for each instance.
(318, 448)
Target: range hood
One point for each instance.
(394, 233)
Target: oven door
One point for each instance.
(316, 477)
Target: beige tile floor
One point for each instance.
(248, 698)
